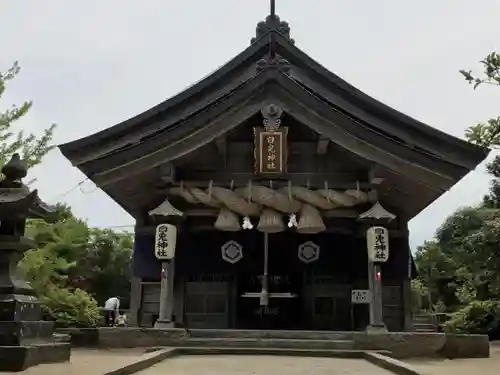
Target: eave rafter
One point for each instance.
(323, 143)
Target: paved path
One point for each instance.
(262, 365)
(97, 362)
(482, 366)
(86, 362)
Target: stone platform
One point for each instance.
(28, 343)
(399, 344)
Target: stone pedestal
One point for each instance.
(25, 340)
(164, 324)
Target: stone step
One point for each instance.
(270, 334)
(61, 337)
(327, 353)
(424, 325)
(268, 343)
(422, 319)
(424, 328)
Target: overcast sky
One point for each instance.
(88, 65)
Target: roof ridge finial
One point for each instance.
(272, 23)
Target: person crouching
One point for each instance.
(111, 310)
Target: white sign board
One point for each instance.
(165, 241)
(360, 296)
(377, 242)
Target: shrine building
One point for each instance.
(290, 192)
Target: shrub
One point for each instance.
(477, 317)
(70, 307)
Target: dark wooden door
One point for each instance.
(392, 307)
(328, 304)
(207, 302)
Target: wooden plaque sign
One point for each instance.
(271, 150)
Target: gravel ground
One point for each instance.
(482, 366)
(97, 362)
(262, 365)
(86, 362)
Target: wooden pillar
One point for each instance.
(406, 288)
(407, 305)
(166, 295)
(179, 293)
(135, 302)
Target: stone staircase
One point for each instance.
(317, 343)
(424, 322)
(61, 337)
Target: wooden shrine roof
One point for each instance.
(272, 70)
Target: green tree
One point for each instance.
(29, 146)
(466, 249)
(436, 272)
(485, 134)
(469, 238)
(105, 268)
(72, 256)
(47, 269)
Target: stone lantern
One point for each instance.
(25, 340)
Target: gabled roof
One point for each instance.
(306, 70)
(230, 111)
(273, 69)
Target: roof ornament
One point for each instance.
(165, 209)
(377, 212)
(271, 117)
(273, 60)
(279, 63)
(272, 23)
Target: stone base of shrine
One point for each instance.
(19, 358)
(28, 343)
(398, 344)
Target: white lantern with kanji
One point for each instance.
(165, 241)
(377, 241)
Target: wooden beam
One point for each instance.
(330, 214)
(375, 176)
(314, 180)
(294, 148)
(358, 233)
(221, 144)
(167, 173)
(322, 147)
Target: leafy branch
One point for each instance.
(31, 147)
(485, 134)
